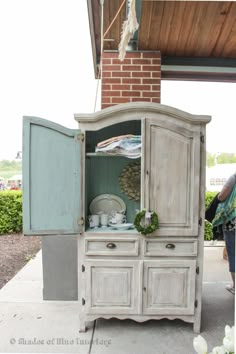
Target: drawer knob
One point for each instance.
(170, 245)
(111, 245)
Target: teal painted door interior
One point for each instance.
(51, 178)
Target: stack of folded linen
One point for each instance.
(123, 145)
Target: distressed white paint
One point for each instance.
(144, 277)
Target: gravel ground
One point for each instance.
(15, 251)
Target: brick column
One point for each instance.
(137, 78)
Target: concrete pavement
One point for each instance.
(30, 325)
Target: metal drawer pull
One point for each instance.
(111, 245)
(170, 245)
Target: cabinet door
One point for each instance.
(112, 287)
(51, 178)
(169, 287)
(172, 175)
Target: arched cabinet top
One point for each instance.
(136, 111)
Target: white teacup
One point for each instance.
(104, 219)
(120, 218)
(93, 220)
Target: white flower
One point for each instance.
(200, 345)
(218, 350)
(228, 340)
(229, 345)
(228, 330)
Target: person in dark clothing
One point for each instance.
(217, 231)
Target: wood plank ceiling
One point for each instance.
(200, 31)
(189, 28)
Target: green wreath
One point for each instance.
(145, 230)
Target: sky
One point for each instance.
(211, 98)
(46, 70)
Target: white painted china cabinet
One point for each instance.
(124, 274)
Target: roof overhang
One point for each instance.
(197, 39)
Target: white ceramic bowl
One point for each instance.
(122, 227)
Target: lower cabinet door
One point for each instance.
(169, 287)
(112, 287)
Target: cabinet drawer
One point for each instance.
(170, 247)
(111, 247)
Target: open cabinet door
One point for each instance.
(51, 178)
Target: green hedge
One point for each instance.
(10, 212)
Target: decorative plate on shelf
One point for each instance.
(130, 180)
(107, 204)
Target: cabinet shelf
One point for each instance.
(103, 230)
(100, 154)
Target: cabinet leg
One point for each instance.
(82, 326)
(197, 326)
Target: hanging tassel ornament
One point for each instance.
(128, 29)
